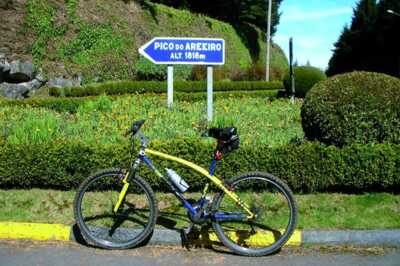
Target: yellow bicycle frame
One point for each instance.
(217, 181)
(122, 194)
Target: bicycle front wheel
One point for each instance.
(276, 213)
(94, 210)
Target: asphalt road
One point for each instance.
(17, 252)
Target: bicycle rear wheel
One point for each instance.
(272, 201)
(94, 204)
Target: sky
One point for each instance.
(315, 26)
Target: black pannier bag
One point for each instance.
(228, 139)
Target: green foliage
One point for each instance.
(57, 104)
(123, 87)
(71, 9)
(316, 211)
(40, 18)
(180, 23)
(104, 120)
(146, 70)
(90, 45)
(104, 46)
(71, 104)
(309, 167)
(89, 41)
(234, 12)
(305, 78)
(248, 18)
(358, 107)
(371, 29)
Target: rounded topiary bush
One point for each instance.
(357, 107)
(305, 79)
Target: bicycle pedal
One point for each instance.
(185, 239)
(185, 236)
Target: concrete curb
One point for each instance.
(37, 231)
(352, 237)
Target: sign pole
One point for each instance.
(209, 93)
(170, 81)
(268, 54)
(292, 77)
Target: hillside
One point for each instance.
(99, 39)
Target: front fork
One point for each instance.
(125, 181)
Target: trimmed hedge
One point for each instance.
(305, 78)
(357, 107)
(58, 104)
(124, 87)
(308, 167)
(71, 104)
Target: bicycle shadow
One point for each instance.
(201, 236)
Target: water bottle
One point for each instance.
(177, 180)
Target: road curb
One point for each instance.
(35, 231)
(39, 231)
(352, 237)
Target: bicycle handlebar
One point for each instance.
(134, 128)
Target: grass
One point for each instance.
(99, 39)
(316, 211)
(259, 120)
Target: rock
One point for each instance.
(21, 71)
(5, 50)
(40, 78)
(20, 90)
(6, 4)
(14, 91)
(4, 65)
(61, 82)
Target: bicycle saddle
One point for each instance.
(228, 139)
(223, 134)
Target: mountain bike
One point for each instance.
(253, 214)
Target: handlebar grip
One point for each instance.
(134, 128)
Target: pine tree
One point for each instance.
(371, 42)
(388, 42)
(354, 49)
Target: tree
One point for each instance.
(353, 50)
(371, 42)
(387, 41)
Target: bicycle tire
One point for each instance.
(268, 239)
(129, 214)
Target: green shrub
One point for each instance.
(305, 78)
(358, 107)
(71, 104)
(309, 167)
(58, 104)
(146, 70)
(124, 87)
(198, 96)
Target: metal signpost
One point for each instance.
(292, 77)
(186, 51)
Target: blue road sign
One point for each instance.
(191, 51)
